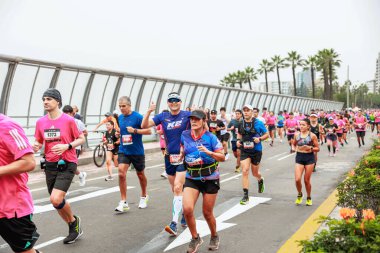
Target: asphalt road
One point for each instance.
(259, 228)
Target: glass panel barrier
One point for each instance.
(163, 103)
(3, 74)
(96, 94)
(42, 83)
(146, 94)
(65, 84)
(108, 94)
(80, 87)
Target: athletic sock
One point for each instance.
(177, 207)
(245, 192)
(328, 147)
(334, 149)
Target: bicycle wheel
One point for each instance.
(99, 155)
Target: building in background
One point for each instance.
(286, 87)
(377, 75)
(304, 83)
(372, 86)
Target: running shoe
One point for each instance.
(299, 199)
(346, 142)
(334, 155)
(227, 156)
(214, 243)
(82, 178)
(171, 228)
(109, 178)
(330, 154)
(261, 185)
(309, 202)
(281, 140)
(164, 174)
(194, 244)
(183, 221)
(237, 169)
(75, 231)
(122, 207)
(363, 142)
(271, 144)
(144, 202)
(244, 200)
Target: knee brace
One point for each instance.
(60, 206)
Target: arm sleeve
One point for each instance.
(38, 135)
(157, 119)
(215, 143)
(74, 129)
(16, 141)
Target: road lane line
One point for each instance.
(224, 174)
(272, 157)
(58, 239)
(282, 158)
(230, 178)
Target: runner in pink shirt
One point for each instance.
(291, 125)
(161, 135)
(341, 124)
(60, 135)
(360, 123)
(271, 123)
(377, 121)
(16, 204)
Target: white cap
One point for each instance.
(248, 106)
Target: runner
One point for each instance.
(82, 129)
(290, 128)
(201, 151)
(341, 124)
(233, 126)
(108, 117)
(360, 123)
(16, 204)
(215, 125)
(331, 137)
(271, 123)
(305, 143)
(322, 119)
(250, 135)
(280, 125)
(161, 135)
(377, 121)
(173, 124)
(316, 129)
(224, 135)
(131, 150)
(59, 133)
(112, 141)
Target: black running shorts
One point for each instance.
(56, 179)
(138, 161)
(305, 158)
(207, 186)
(255, 156)
(20, 233)
(225, 137)
(360, 133)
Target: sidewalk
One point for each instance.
(86, 157)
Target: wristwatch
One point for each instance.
(70, 146)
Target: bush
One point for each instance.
(361, 190)
(373, 161)
(345, 236)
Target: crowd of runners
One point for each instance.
(193, 141)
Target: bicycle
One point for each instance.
(99, 155)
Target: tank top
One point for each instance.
(307, 141)
(315, 130)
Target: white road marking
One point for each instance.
(202, 226)
(38, 189)
(49, 207)
(224, 174)
(58, 239)
(272, 157)
(282, 158)
(3, 246)
(230, 178)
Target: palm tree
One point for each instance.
(240, 78)
(295, 61)
(265, 67)
(310, 64)
(278, 63)
(250, 75)
(327, 59)
(229, 80)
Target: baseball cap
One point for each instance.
(108, 114)
(214, 112)
(313, 115)
(330, 118)
(198, 114)
(173, 96)
(248, 106)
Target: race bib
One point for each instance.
(360, 126)
(127, 139)
(248, 145)
(292, 130)
(213, 125)
(175, 159)
(110, 147)
(51, 135)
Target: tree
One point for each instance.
(265, 67)
(278, 63)
(310, 64)
(327, 60)
(250, 75)
(295, 61)
(229, 80)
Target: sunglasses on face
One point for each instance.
(174, 100)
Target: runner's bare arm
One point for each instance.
(145, 131)
(146, 122)
(24, 164)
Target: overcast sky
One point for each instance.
(196, 40)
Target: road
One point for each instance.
(262, 228)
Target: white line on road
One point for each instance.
(272, 157)
(282, 158)
(58, 239)
(230, 178)
(224, 174)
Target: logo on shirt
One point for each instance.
(174, 125)
(21, 144)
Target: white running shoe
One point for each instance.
(281, 140)
(164, 174)
(226, 157)
(122, 207)
(144, 202)
(109, 178)
(330, 154)
(82, 178)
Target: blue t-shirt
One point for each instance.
(260, 131)
(133, 120)
(173, 126)
(197, 159)
(281, 120)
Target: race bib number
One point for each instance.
(248, 145)
(360, 126)
(292, 130)
(110, 147)
(175, 159)
(213, 125)
(127, 139)
(330, 130)
(51, 135)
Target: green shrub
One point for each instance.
(345, 236)
(373, 161)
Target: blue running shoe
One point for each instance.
(183, 221)
(172, 228)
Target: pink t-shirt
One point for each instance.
(62, 130)
(291, 125)
(340, 123)
(377, 117)
(162, 137)
(271, 120)
(360, 124)
(15, 197)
